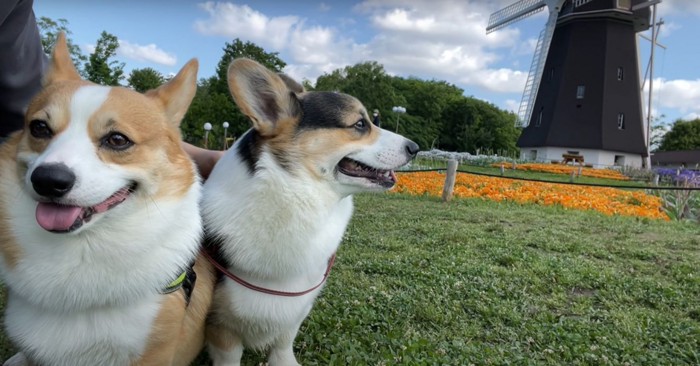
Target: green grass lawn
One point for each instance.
(419, 282)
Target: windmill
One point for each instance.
(582, 94)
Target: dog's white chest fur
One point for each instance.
(80, 338)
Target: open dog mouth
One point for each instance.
(58, 218)
(354, 168)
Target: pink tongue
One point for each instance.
(53, 217)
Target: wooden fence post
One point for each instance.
(448, 189)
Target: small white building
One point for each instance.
(593, 157)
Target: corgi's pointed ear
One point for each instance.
(292, 84)
(61, 67)
(177, 94)
(262, 95)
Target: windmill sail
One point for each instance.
(513, 13)
(536, 69)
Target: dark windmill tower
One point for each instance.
(582, 95)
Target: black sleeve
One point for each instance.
(22, 62)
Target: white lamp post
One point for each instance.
(225, 130)
(207, 128)
(398, 110)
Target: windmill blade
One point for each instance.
(513, 13)
(534, 77)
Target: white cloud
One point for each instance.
(686, 7)
(512, 105)
(444, 40)
(501, 80)
(430, 39)
(87, 48)
(691, 116)
(682, 95)
(241, 21)
(148, 53)
(314, 49)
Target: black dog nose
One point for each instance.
(412, 148)
(52, 180)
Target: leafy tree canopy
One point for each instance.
(684, 135)
(437, 113)
(237, 49)
(471, 124)
(366, 81)
(99, 69)
(145, 79)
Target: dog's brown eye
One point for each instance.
(40, 129)
(116, 141)
(361, 124)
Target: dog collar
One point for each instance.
(268, 291)
(184, 281)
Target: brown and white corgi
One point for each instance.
(100, 227)
(277, 204)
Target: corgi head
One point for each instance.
(325, 135)
(88, 149)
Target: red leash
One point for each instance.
(249, 285)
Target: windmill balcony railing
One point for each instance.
(578, 3)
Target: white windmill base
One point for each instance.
(597, 158)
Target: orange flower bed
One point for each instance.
(610, 201)
(566, 169)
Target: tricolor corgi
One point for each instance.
(100, 226)
(277, 204)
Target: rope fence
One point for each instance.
(657, 188)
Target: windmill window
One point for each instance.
(580, 91)
(620, 73)
(551, 74)
(539, 118)
(624, 4)
(621, 121)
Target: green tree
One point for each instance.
(437, 113)
(99, 69)
(145, 79)
(366, 81)
(213, 102)
(215, 108)
(424, 100)
(471, 124)
(684, 135)
(238, 49)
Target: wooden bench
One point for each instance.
(572, 158)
